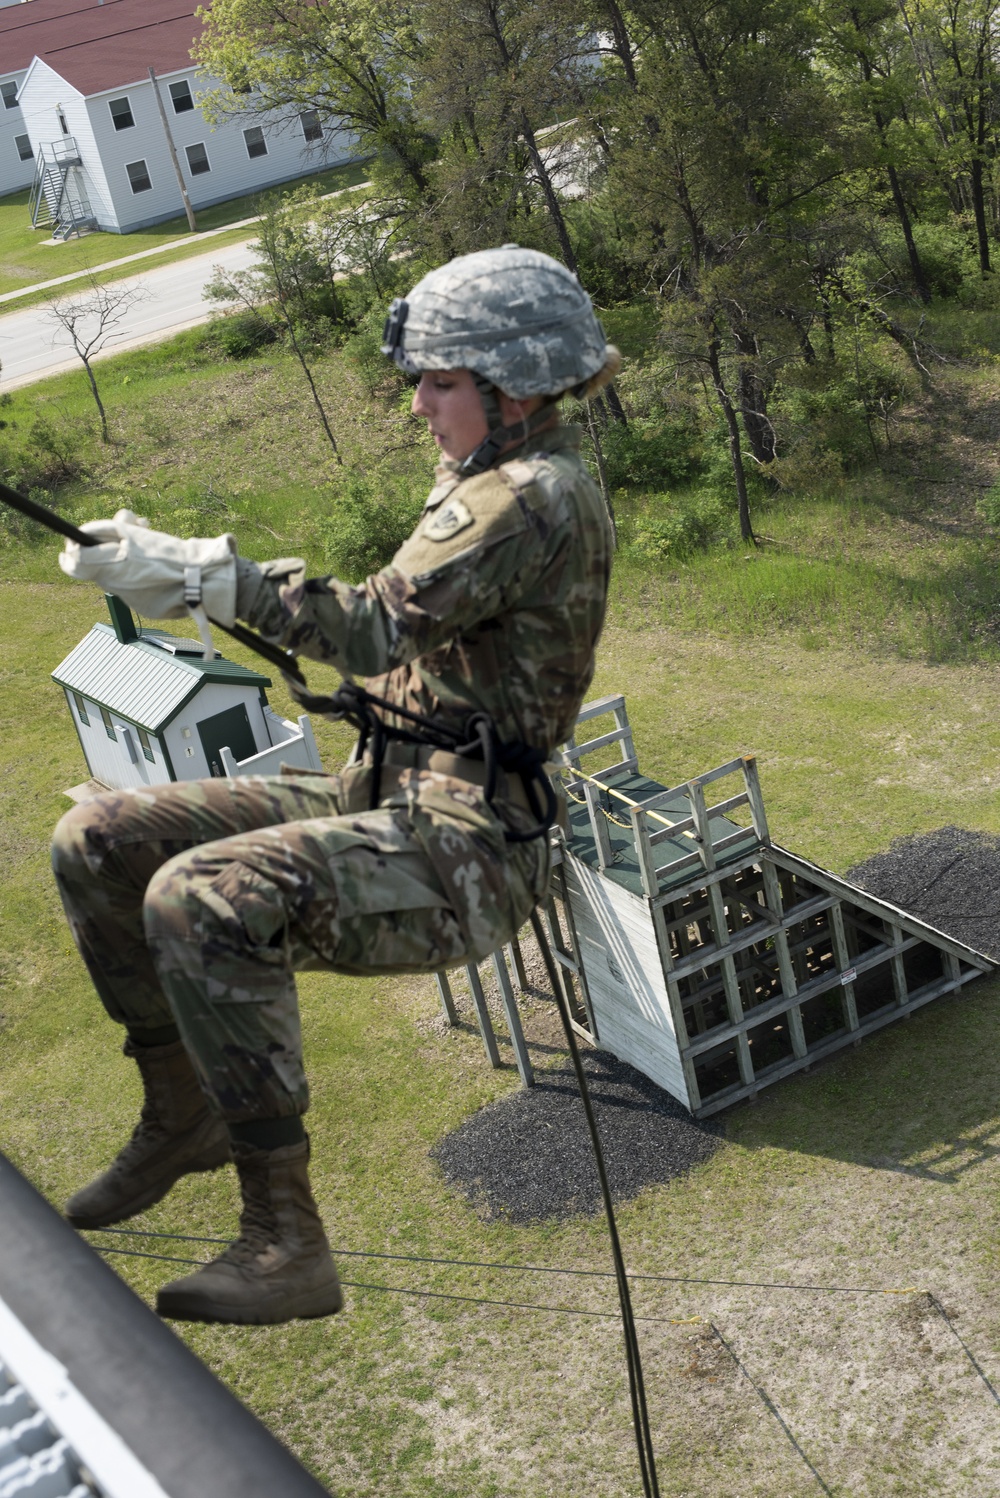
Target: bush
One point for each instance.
(650, 453)
(370, 518)
(672, 528)
(240, 335)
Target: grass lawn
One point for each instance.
(26, 259)
(879, 1169)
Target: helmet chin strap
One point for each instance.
(498, 436)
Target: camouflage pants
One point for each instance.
(195, 903)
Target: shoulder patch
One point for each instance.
(447, 521)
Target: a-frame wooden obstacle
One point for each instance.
(698, 950)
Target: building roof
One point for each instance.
(98, 46)
(140, 681)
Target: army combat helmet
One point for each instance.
(518, 320)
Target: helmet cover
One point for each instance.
(515, 317)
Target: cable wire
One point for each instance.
(666, 1279)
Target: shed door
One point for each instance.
(232, 729)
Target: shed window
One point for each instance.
(8, 92)
(311, 127)
(198, 159)
(256, 144)
(138, 176)
(81, 709)
(121, 113)
(109, 727)
(147, 747)
(23, 144)
(180, 94)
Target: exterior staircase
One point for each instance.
(59, 199)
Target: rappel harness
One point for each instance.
(476, 740)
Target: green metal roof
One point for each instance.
(141, 682)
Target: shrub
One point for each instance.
(370, 517)
(240, 335)
(674, 527)
(650, 453)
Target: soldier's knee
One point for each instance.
(199, 898)
(71, 841)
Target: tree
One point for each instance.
(89, 320)
(352, 62)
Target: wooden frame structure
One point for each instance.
(710, 958)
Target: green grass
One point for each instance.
(851, 654)
(25, 259)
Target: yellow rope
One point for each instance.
(579, 774)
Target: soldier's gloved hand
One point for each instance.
(159, 576)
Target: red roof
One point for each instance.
(99, 46)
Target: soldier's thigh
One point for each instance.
(355, 893)
(137, 830)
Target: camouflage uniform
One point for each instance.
(197, 902)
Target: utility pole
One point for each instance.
(173, 154)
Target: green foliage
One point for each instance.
(240, 335)
(674, 527)
(369, 518)
(650, 453)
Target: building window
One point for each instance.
(62, 122)
(256, 144)
(121, 113)
(109, 727)
(311, 127)
(81, 709)
(147, 747)
(8, 92)
(23, 145)
(180, 93)
(138, 176)
(198, 159)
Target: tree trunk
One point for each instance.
(602, 473)
(549, 193)
(979, 211)
(97, 397)
(902, 213)
(614, 404)
(735, 451)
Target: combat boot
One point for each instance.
(175, 1136)
(280, 1265)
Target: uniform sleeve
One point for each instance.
(468, 560)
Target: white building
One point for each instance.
(79, 117)
(148, 709)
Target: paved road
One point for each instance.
(32, 346)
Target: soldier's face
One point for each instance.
(449, 402)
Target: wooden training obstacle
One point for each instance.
(712, 959)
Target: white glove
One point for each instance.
(159, 576)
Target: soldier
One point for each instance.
(194, 904)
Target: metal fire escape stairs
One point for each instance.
(58, 195)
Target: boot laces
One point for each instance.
(258, 1222)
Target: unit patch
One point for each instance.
(446, 522)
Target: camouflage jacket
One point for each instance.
(494, 604)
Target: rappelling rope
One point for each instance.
(637, 1391)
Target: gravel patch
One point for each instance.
(949, 878)
(529, 1155)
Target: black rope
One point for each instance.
(769, 1405)
(637, 1392)
(666, 1279)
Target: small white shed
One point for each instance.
(148, 709)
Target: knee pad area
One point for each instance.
(195, 899)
